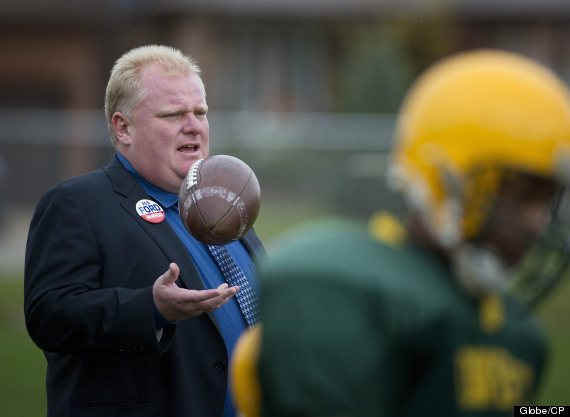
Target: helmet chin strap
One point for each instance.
(479, 270)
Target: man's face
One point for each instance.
(521, 213)
(167, 131)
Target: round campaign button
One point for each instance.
(150, 211)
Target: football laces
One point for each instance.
(192, 177)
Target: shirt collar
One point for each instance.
(164, 198)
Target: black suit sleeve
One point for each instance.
(67, 306)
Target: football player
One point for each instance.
(430, 318)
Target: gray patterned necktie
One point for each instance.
(233, 275)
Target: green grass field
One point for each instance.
(22, 389)
(22, 386)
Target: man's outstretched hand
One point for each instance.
(175, 303)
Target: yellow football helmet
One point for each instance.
(467, 121)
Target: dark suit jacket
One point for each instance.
(90, 265)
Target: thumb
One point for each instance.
(170, 276)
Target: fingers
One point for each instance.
(203, 296)
(190, 303)
(225, 285)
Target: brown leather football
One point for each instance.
(219, 199)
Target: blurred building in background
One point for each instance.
(302, 90)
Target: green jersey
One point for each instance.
(353, 326)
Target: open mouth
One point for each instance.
(189, 148)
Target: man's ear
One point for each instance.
(121, 128)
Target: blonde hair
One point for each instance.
(124, 90)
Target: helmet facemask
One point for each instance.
(517, 242)
(547, 261)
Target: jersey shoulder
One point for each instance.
(348, 253)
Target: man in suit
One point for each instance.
(133, 314)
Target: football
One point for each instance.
(219, 199)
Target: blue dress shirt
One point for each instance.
(231, 321)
